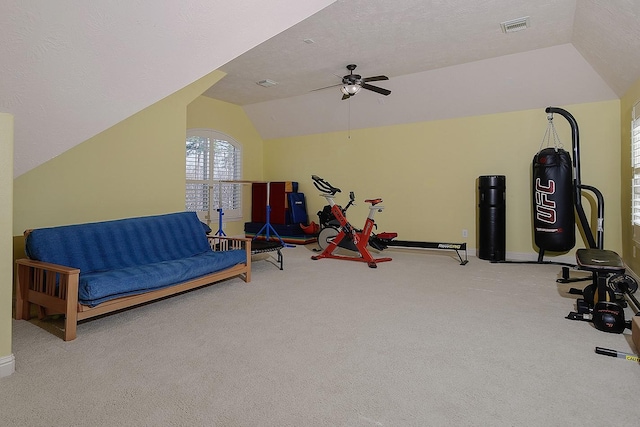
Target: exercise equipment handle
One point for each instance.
(352, 198)
(606, 352)
(618, 354)
(324, 186)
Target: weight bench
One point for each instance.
(601, 263)
(597, 305)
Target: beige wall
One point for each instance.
(6, 259)
(426, 172)
(231, 120)
(631, 256)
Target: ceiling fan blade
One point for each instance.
(377, 89)
(327, 87)
(375, 78)
(345, 97)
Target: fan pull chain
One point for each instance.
(349, 119)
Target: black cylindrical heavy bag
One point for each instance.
(492, 217)
(553, 207)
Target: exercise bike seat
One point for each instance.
(387, 235)
(373, 201)
(599, 260)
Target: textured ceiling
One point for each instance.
(403, 37)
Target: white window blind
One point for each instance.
(635, 165)
(212, 157)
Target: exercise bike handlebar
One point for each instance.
(324, 186)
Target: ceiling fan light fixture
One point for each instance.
(350, 89)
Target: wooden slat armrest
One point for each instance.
(56, 268)
(242, 239)
(52, 287)
(224, 243)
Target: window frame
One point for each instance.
(233, 192)
(635, 171)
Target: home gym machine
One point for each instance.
(330, 226)
(557, 200)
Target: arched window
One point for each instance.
(212, 157)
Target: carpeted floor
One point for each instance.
(419, 341)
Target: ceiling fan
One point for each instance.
(352, 83)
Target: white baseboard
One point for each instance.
(530, 256)
(533, 256)
(7, 365)
(527, 256)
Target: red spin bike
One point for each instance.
(347, 236)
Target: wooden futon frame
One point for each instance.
(54, 288)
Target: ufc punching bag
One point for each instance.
(553, 205)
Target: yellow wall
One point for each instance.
(427, 172)
(626, 106)
(231, 119)
(6, 213)
(133, 168)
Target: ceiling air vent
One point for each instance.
(515, 25)
(266, 83)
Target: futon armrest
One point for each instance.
(224, 243)
(55, 268)
(53, 287)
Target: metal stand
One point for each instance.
(267, 227)
(220, 232)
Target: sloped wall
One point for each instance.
(133, 168)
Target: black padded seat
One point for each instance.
(599, 260)
(601, 263)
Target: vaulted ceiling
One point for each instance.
(70, 73)
(444, 59)
(403, 37)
